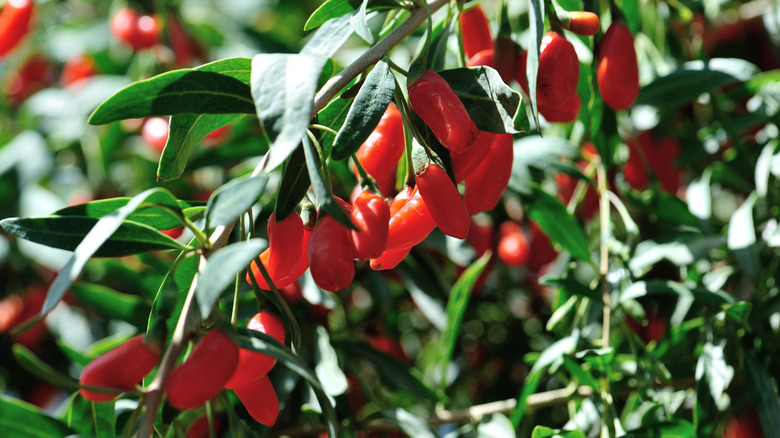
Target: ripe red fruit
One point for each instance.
(443, 201)
(513, 247)
(584, 23)
(657, 154)
(411, 223)
(251, 364)
(200, 427)
(77, 68)
(567, 185)
(488, 181)
(260, 400)
(653, 330)
(330, 253)
(15, 19)
(475, 28)
(278, 280)
(185, 49)
(218, 136)
(542, 251)
(17, 309)
(744, 425)
(434, 100)
(380, 153)
(34, 75)
(155, 133)
(465, 162)
(390, 258)
(204, 373)
(559, 70)
(137, 30)
(484, 57)
(371, 214)
(120, 368)
(566, 113)
(617, 71)
(285, 240)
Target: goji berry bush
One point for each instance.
(497, 218)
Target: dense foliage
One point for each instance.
(389, 217)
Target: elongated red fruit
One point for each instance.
(485, 57)
(657, 154)
(15, 21)
(488, 181)
(584, 23)
(559, 70)
(371, 214)
(120, 368)
(401, 198)
(260, 400)
(443, 201)
(285, 240)
(465, 162)
(410, 224)
(566, 113)
(475, 28)
(390, 258)
(282, 281)
(330, 253)
(204, 373)
(513, 246)
(380, 153)
(434, 100)
(617, 71)
(251, 364)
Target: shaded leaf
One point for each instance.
(551, 216)
(158, 211)
(741, 238)
(701, 295)
(91, 419)
(325, 201)
(41, 370)
(676, 428)
(295, 183)
(359, 23)
(232, 199)
(20, 419)
(763, 396)
(112, 304)
(221, 270)
(411, 424)
(327, 40)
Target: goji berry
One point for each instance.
(657, 155)
(390, 258)
(120, 368)
(542, 251)
(465, 162)
(155, 133)
(285, 240)
(331, 253)
(185, 48)
(617, 71)
(558, 73)
(77, 68)
(475, 28)
(434, 100)
(371, 215)
(252, 364)
(584, 23)
(15, 19)
(260, 400)
(137, 30)
(504, 57)
(380, 153)
(484, 57)
(411, 223)
(566, 113)
(281, 281)
(443, 200)
(513, 248)
(488, 181)
(203, 375)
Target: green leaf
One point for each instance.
(676, 428)
(295, 183)
(327, 365)
(550, 214)
(160, 210)
(70, 232)
(176, 92)
(693, 79)
(571, 287)
(546, 432)
(232, 199)
(283, 88)
(764, 398)
(359, 23)
(221, 270)
(491, 103)
(327, 40)
(366, 110)
(741, 238)
(456, 308)
(657, 287)
(713, 375)
(325, 201)
(672, 209)
(112, 304)
(390, 368)
(536, 14)
(327, 11)
(410, 424)
(262, 343)
(185, 132)
(679, 248)
(333, 116)
(41, 370)
(236, 68)
(495, 426)
(91, 419)
(22, 420)
(437, 56)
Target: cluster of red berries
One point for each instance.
(199, 378)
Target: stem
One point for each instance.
(366, 180)
(373, 55)
(607, 427)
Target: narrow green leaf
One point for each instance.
(112, 304)
(327, 40)
(160, 210)
(536, 14)
(571, 287)
(437, 55)
(656, 287)
(546, 432)
(359, 23)
(232, 199)
(176, 92)
(676, 428)
(262, 343)
(764, 397)
(741, 238)
(551, 216)
(325, 201)
(70, 232)
(22, 420)
(236, 68)
(221, 270)
(327, 11)
(283, 88)
(41, 370)
(693, 79)
(491, 103)
(327, 365)
(456, 308)
(333, 116)
(295, 183)
(399, 374)
(368, 107)
(185, 132)
(91, 419)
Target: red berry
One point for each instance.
(380, 153)
(484, 57)
(475, 28)
(135, 29)
(331, 253)
(443, 201)
(155, 133)
(77, 68)
(251, 364)
(657, 155)
(278, 280)
(390, 258)
(15, 19)
(556, 80)
(411, 223)
(464, 163)
(617, 71)
(285, 240)
(504, 57)
(371, 214)
(203, 375)
(260, 400)
(566, 113)
(120, 368)
(513, 248)
(584, 23)
(488, 181)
